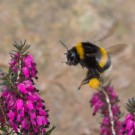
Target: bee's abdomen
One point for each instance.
(104, 61)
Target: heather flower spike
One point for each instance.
(22, 111)
(105, 101)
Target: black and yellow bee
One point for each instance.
(96, 59)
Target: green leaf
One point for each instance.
(25, 48)
(9, 72)
(17, 46)
(23, 42)
(3, 129)
(130, 106)
(14, 77)
(50, 131)
(25, 53)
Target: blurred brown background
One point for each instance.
(43, 23)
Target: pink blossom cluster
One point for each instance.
(128, 127)
(99, 104)
(23, 107)
(27, 64)
(29, 67)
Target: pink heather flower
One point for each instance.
(128, 127)
(29, 85)
(41, 120)
(26, 72)
(100, 105)
(28, 61)
(19, 104)
(29, 104)
(21, 87)
(23, 108)
(11, 115)
(26, 123)
(29, 69)
(26, 86)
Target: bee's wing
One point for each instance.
(108, 33)
(115, 49)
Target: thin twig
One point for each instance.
(110, 111)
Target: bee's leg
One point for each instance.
(91, 73)
(82, 64)
(85, 80)
(95, 73)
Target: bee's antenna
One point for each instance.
(63, 45)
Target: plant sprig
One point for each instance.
(130, 106)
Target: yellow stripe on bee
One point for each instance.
(94, 83)
(104, 57)
(80, 50)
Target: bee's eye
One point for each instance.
(72, 57)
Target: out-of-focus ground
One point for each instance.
(43, 23)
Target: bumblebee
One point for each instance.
(96, 59)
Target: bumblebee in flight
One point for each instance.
(96, 59)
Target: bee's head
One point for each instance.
(72, 58)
